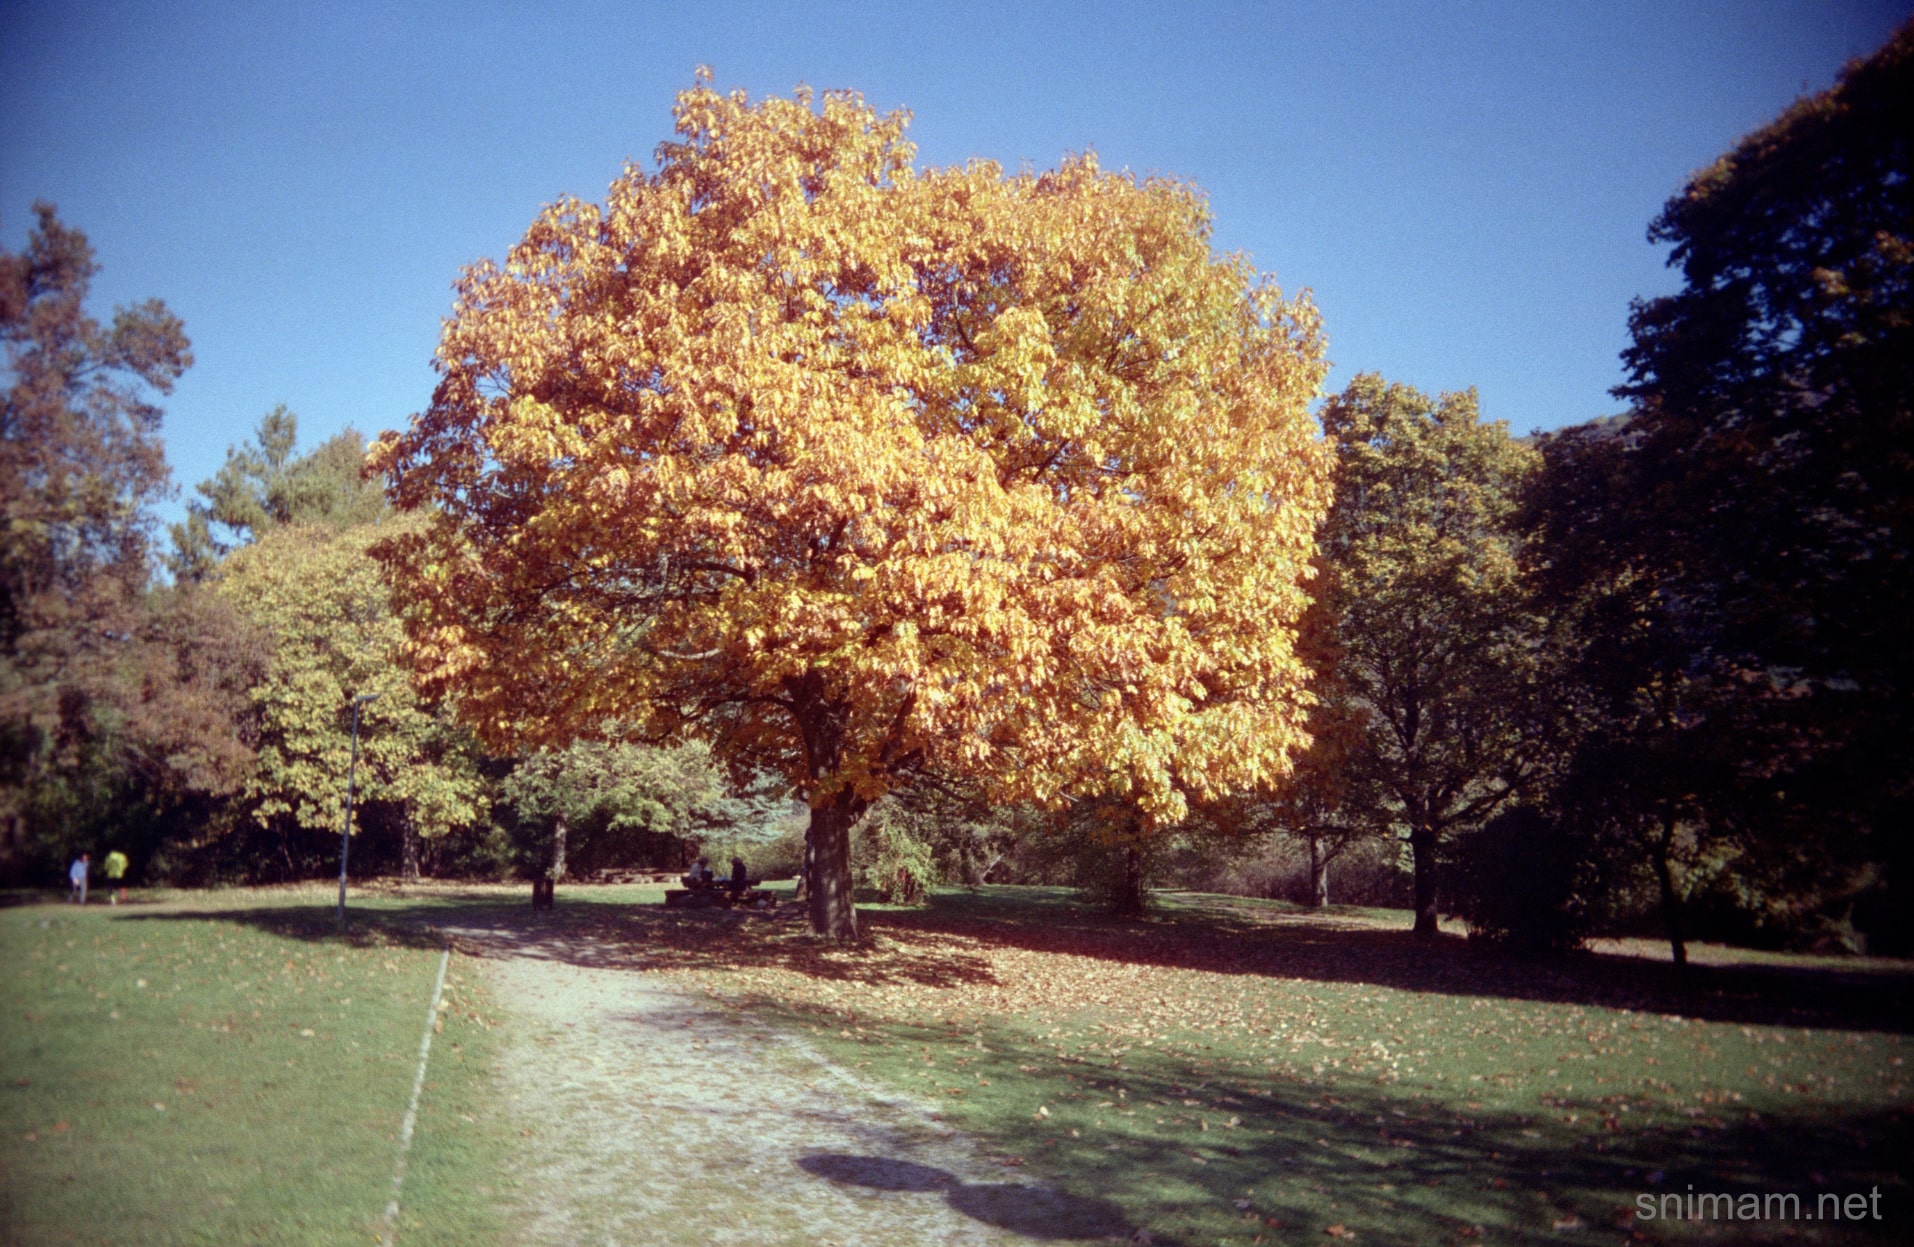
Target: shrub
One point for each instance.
(1525, 880)
(891, 858)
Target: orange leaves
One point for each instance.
(1011, 472)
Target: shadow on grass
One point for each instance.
(1033, 1211)
(948, 941)
(308, 924)
(1393, 1165)
(1226, 936)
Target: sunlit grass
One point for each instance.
(186, 1078)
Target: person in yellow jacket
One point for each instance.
(115, 868)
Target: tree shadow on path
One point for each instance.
(1032, 1211)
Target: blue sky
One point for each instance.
(1464, 187)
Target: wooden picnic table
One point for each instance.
(719, 893)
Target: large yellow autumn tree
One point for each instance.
(854, 469)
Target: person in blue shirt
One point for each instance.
(76, 874)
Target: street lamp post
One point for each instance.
(345, 837)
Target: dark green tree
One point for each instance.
(1742, 545)
(1649, 779)
(80, 463)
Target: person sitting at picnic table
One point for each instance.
(740, 880)
(700, 874)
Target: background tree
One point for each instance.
(1650, 777)
(1527, 878)
(1742, 546)
(1328, 804)
(595, 802)
(967, 834)
(314, 591)
(80, 460)
(1439, 653)
(854, 469)
(262, 486)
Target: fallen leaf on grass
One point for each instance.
(1339, 1231)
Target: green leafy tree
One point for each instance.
(1327, 805)
(80, 462)
(893, 856)
(596, 801)
(1439, 653)
(318, 595)
(969, 835)
(262, 486)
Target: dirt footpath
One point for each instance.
(657, 1119)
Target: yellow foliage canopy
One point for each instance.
(863, 468)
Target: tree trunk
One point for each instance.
(827, 868)
(556, 871)
(408, 848)
(1318, 874)
(1422, 843)
(1128, 900)
(12, 845)
(1671, 908)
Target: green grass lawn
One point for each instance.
(1239, 1072)
(235, 1071)
(1227, 1071)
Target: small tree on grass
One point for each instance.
(853, 469)
(893, 855)
(591, 799)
